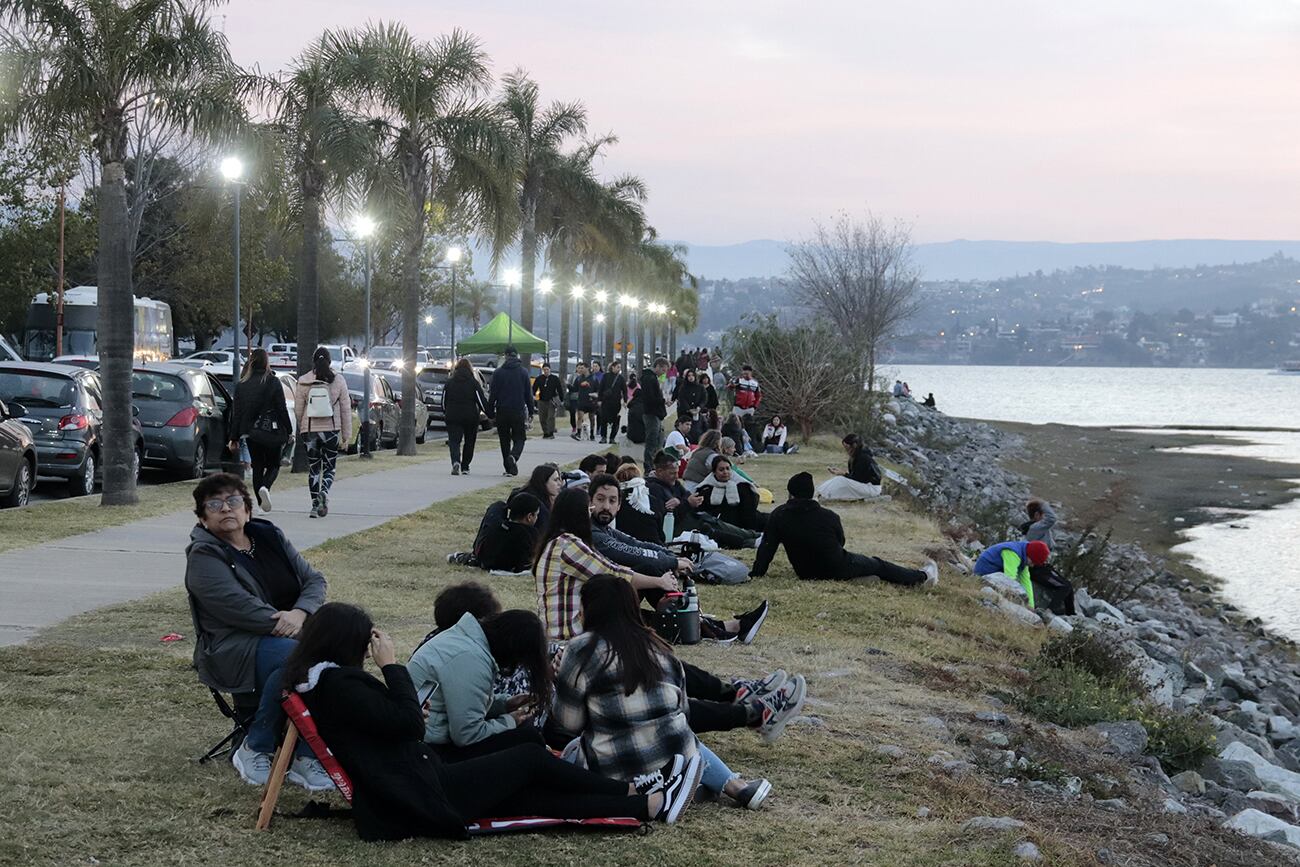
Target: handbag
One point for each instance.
(266, 430)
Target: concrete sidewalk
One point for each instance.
(44, 584)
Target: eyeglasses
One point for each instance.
(235, 502)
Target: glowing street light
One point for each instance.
(232, 168)
(454, 254)
(578, 292)
(428, 320)
(514, 277)
(601, 296)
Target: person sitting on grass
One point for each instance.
(249, 592)
(668, 495)
(678, 440)
(636, 516)
(862, 479)
(730, 498)
(544, 483)
(814, 542)
(621, 697)
(774, 438)
(470, 597)
(697, 468)
(455, 672)
(567, 560)
(401, 787)
(1014, 560)
(507, 537)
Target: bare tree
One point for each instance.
(860, 275)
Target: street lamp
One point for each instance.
(364, 228)
(514, 277)
(453, 257)
(577, 293)
(628, 303)
(544, 287)
(600, 320)
(232, 169)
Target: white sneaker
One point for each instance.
(253, 768)
(931, 570)
(264, 498)
(308, 773)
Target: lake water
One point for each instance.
(1257, 556)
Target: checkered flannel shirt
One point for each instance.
(566, 562)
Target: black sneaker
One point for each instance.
(679, 790)
(575, 436)
(648, 784)
(753, 795)
(751, 622)
(750, 689)
(780, 707)
(462, 558)
(455, 468)
(324, 508)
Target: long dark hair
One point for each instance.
(517, 639)
(536, 484)
(462, 370)
(854, 442)
(337, 633)
(259, 365)
(570, 513)
(611, 612)
(320, 364)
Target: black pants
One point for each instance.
(458, 432)
(511, 431)
(528, 780)
(524, 734)
(608, 424)
(861, 566)
(266, 465)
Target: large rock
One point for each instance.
(1273, 778)
(1232, 774)
(1259, 824)
(1127, 737)
(992, 823)
(993, 599)
(1007, 586)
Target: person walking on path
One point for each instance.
(463, 403)
(261, 415)
(511, 404)
(654, 409)
(582, 390)
(814, 541)
(324, 411)
(613, 387)
(549, 394)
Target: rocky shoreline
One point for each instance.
(1193, 652)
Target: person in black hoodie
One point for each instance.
(814, 541)
(260, 413)
(613, 388)
(690, 397)
(462, 402)
(401, 788)
(511, 404)
(654, 409)
(549, 392)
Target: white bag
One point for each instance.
(318, 401)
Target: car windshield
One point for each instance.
(385, 353)
(37, 389)
(432, 375)
(146, 385)
(356, 381)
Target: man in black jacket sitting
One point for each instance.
(814, 541)
(668, 495)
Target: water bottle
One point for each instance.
(670, 521)
(688, 620)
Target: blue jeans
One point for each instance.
(272, 651)
(716, 773)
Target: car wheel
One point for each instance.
(21, 491)
(83, 483)
(200, 461)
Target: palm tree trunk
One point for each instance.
(672, 340)
(308, 299)
(638, 345)
(566, 308)
(410, 337)
(116, 341)
(588, 315)
(528, 256)
(610, 329)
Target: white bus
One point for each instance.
(153, 326)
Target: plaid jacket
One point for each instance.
(621, 735)
(566, 562)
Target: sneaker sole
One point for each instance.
(752, 633)
(760, 796)
(773, 733)
(264, 499)
(694, 770)
(760, 693)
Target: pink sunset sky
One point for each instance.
(1029, 120)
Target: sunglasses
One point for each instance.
(235, 502)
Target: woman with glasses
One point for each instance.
(249, 592)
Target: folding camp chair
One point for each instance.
(301, 723)
(240, 715)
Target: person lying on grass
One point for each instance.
(567, 560)
(621, 699)
(249, 593)
(403, 789)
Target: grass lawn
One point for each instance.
(100, 725)
(48, 520)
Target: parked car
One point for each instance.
(64, 412)
(339, 354)
(7, 352)
(185, 414)
(393, 379)
(386, 357)
(17, 456)
(385, 408)
(90, 362)
(432, 381)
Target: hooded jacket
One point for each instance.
(813, 537)
(652, 395)
(512, 393)
(456, 670)
(230, 610)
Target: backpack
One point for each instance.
(319, 404)
(1052, 590)
(714, 568)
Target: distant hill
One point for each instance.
(990, 260)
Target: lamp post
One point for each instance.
(600, 320)
(578, 294)
(365, 228)
(232, 168)
(628, 303)
(453, 258)
(513, 278)
(601, 297)
(544, 287)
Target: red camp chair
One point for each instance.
(302, 725)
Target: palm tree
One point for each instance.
(476, 299)
(537, 137)
(442, 149)
(84, 70)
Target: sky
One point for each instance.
(1003, 119)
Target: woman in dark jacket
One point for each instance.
(729, 497)
(862, 479)
(249, 593)
(613, 386)
(462, 402)
(260, 414)
(690, 397)
(401, 788)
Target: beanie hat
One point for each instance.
(1037, 552)
(801, 486)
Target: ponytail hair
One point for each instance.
(320, 365)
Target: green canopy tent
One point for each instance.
(500, 333)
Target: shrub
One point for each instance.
(1091, 653)
(1071, 696)
(1181, 741)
